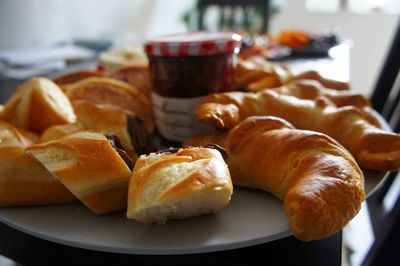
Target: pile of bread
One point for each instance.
(88, 137)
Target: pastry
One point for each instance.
(176, 184)
(311, 90)
(113, 92)
(136, 75)
(112, 119)
(38, 104)
(59, 131)
(255, 73)
(372, 147)
(90, 167)
(318, 180)
(76, 76)
(23, 180)
(69, 78)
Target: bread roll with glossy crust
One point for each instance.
(372, 147)
(136, 75)
(59, 131)
(311, 90)
(318, 180)
(23, 180)
(113, 92)
(255, 74)
(87, 164)
(187, 183)
(38, 104)
(76, 76)
(131, 131)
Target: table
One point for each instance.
(29, 250)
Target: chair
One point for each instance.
(228, 16)
(385, 218)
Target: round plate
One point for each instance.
(252, 217)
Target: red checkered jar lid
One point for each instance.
(193, 44)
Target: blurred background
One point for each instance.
(368, 24)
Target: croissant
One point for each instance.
(89, 166)
(311, 90)
(38, 104)
(255, 73)
(178, 184)
(318, 180)
(372, 147)
(23, 180)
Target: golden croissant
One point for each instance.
(318, 180)
(372, 147)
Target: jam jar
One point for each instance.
(184, 68)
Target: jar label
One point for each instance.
(175, 117)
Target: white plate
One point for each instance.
(252, 217)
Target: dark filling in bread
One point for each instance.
(218, 148)
(169, 150)
(141, 140)
(116, 143)
(209, 146)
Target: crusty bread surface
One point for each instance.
(190, 182)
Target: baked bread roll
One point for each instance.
(318, 180)
(76, 76)
(326, 82)
(23, 180)
(113, 92)
(372, 147)
(136, 75)
(178, 184)
(255, 74)
(311, 90)
(38, 104)
(59, 131)
(112, 119)
(88, 165)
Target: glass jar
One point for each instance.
(184, 68)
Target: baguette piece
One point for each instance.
(88, 165)
(181, 184)
(38, 104)
(318, 180)
(372, 147)
(23, 180)
(113, 92)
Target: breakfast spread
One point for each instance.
(87, 136)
